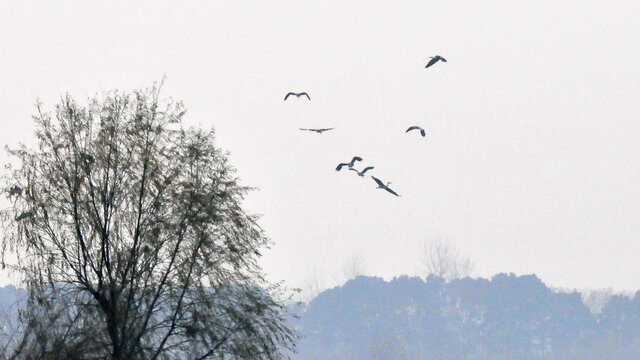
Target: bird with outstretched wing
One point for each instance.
(350, 164)
(296, 95)
(382, 185)
(319, 131)
(435, 59)
(361, 173)
(422, 132)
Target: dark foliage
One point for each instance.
(137, 246)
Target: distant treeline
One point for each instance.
(507, 317)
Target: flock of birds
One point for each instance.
(350, 165)
(16, 190)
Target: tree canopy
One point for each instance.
(132, 241)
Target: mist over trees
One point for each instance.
(507, 317)
(132, 242)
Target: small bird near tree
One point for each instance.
(422, 132)
(15, 190)
(384, 186)
(361, 173)
(24, 215)
(435, 59)
(319, 131)
(350, 164)
(296, 95)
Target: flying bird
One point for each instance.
(381, 185)
(297, 95)
(361, 173)
(435, 59)
(319, 131)
(15, 190)
(350, 164)
(416, 128)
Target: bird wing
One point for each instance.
(289, 94)
(354, 170)
(340, 166)
(305, 94)
(305, 129)
(431, 62)
(422, 132)
(412, 128)
(443, 59)
(356, 158)
(378, 181)
(366, 169)
(327, 129)
(391, 191)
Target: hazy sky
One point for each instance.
(531, 162)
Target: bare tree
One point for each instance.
(313, 285)
(132, 241)
(441, 259)
(354, 267)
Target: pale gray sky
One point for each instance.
(531, 162)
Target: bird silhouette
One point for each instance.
(416, 128)
(361, 173)
(319, 131)
(297, 95)
(381, 185)
(24, 215)
(15, 190)
(435, 59)
(350, 164)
